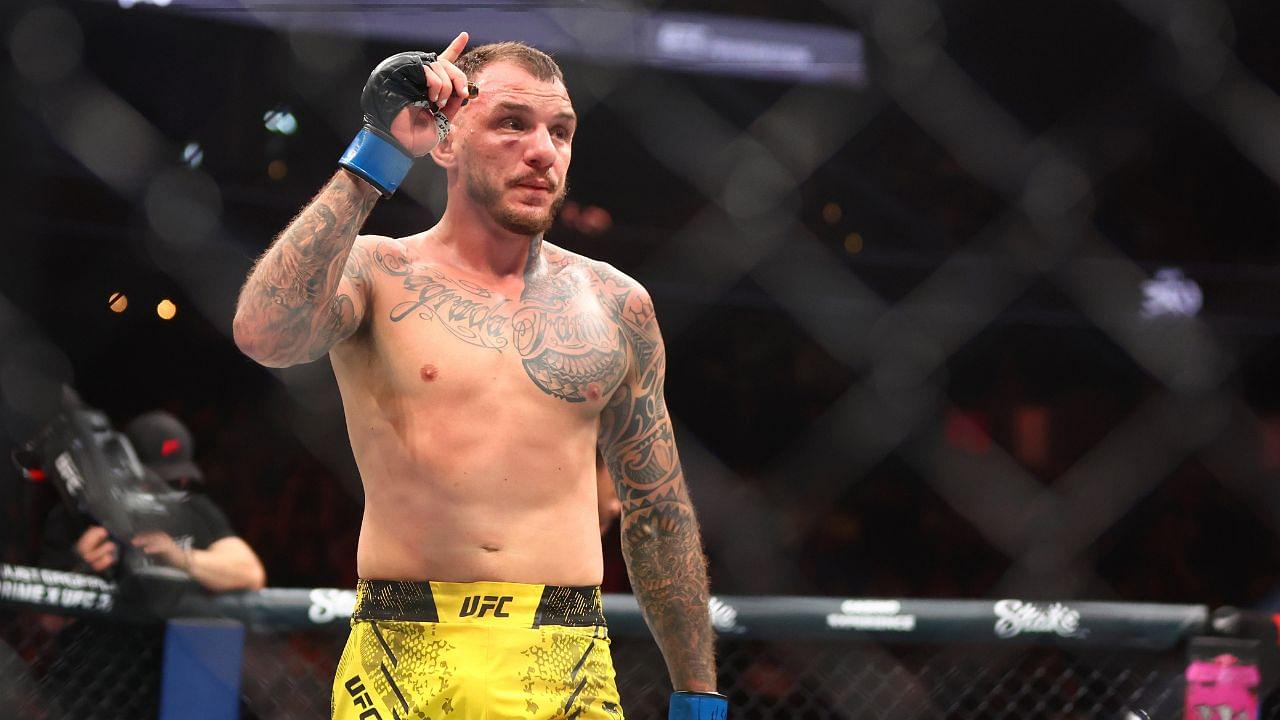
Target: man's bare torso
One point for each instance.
(473, 409)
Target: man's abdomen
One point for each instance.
(472, 477)
(505, 537)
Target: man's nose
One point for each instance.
(541, 151)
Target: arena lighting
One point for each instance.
(853, 243)
(126, 4)
(166, 309)
(832, 212)
(1171, 293)
(192, 155)
(118, 302)
(280, 121)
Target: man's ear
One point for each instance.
(443, 153)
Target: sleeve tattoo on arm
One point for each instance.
(660, 537)
(343, 317)
(307, 292)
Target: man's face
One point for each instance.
(513, 144)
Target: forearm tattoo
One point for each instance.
(290, 309)
(660, 537)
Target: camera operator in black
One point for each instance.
(111, 668)
(196, 539)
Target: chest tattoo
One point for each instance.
(568, 349)
(467, 311)
(568, 345)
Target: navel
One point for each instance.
(428, 372)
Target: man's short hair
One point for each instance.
(531, 59)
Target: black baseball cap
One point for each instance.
(164, 444)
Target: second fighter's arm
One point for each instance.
(308, 291)
(661, 542)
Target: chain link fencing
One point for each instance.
(97, 670)
(778, 657)
(845, 267)
(58, 668)
(822, 368)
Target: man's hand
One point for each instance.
(407, 103)
(161, 547)
(415, 126)
(96, 549)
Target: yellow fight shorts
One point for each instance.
(475, 651)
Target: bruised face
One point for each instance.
(513, 145)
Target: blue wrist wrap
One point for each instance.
(377, 160)
(698, 706)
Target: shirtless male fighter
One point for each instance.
(481, 371)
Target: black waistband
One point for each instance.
(414, 601)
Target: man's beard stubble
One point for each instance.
(489, 196)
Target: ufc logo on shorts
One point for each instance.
(355, 688)
(478, 606)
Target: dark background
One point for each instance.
(923, 384)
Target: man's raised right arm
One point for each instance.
(309, 290)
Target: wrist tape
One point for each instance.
(379, 161)
(698, 706)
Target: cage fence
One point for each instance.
(778, 657)
(1031, 189)
(1027, 188)
(101, 669)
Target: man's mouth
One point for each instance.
(535, 184)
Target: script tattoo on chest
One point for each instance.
(467, 311)
(569, 345)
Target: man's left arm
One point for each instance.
(660, 537)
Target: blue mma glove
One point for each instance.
(375, 155)
(698, 706)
